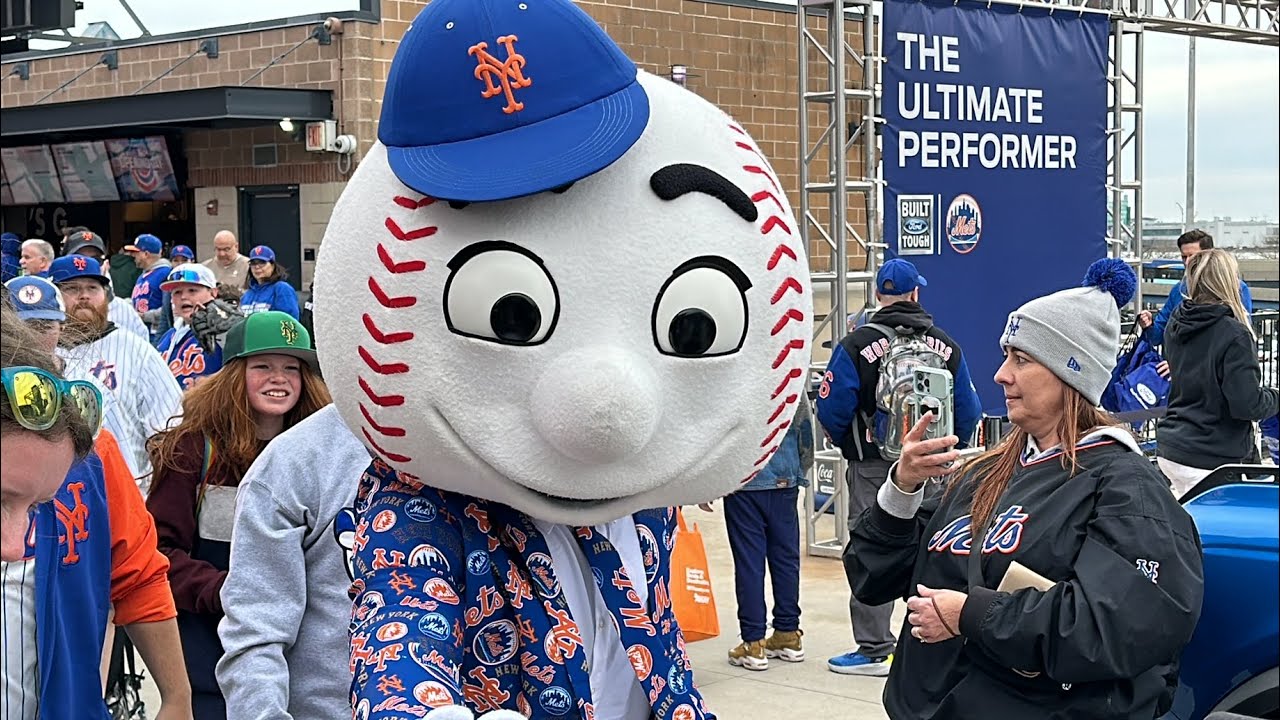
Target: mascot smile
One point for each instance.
(558, 297)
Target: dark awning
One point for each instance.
(216, 107)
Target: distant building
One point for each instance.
(1227, 233)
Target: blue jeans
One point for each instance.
(764, 526)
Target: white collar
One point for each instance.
(1111, 432)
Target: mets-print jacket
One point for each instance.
(457, 603)
(1101, 643)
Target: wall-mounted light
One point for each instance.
(22, 70)
(679, 74)
(286, 125)
(211, 207)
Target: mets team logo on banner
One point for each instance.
(964, 223)
(915, 225)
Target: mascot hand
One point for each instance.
(212, 321)
(457, 712)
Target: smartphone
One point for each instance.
(932, 392)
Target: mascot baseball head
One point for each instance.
(556, 282)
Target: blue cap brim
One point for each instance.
(529, 159)
(921, 281)
(26, 315)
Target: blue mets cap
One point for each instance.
(146, 243)
(898, 277)
(262, 253)
(35, 298)
(181, 251)
(70, 267)
(496, 99)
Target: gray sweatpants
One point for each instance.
(871, 629)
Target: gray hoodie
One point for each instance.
(285, 597)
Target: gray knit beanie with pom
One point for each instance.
(1076, 333)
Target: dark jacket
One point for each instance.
(849, 385)
(1126, 563)
(1216, 392)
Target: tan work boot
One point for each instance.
(785, 646)
(749, 655)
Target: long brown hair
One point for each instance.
(19, 347)
(218, 408)
(992, 470)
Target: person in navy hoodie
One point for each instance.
(268, 288)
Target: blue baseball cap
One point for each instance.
(898, 277)
(496, 99)
(181, 251)
(35, 298)
(146, 243)
(70, 267)
(262, 253)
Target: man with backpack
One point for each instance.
(870, 367)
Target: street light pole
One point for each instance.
(1190, 208)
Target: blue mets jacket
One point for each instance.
(457, 603)
(276, 295)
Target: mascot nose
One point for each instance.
(597, 405)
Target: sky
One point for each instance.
(1237, 118)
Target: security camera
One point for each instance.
(333, 25)
(345, 144)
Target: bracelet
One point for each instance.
(938, 610)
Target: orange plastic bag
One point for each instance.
(692, 599)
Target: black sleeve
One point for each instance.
(881, 555)
(1242, 382)
(1134, 600)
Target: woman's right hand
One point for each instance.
(923, 459)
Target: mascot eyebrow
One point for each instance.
(673, 181)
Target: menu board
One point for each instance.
(32, 175)
(86, 172)
(142, 168)
(6, 195)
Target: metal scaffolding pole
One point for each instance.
(827, 191)
(1124, 177)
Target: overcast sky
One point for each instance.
(1238, 118)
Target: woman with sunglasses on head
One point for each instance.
(1075, 595)
(78, 547)
(266, 385)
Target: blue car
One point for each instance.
(1232, 664)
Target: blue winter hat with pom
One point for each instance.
(1076, 332)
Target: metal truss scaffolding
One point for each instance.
(839, 165)
(838, 172)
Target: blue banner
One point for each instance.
(995, 160)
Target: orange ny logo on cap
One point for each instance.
(80, 263)
(509, 73)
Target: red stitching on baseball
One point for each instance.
(737, 129)
(773, 434)
(751, 150)
(778, 252)
(766, 195)
(792, 314)
(387, 301)
(761, 171)
(795, 344)
(393, 457)
(388, 369)
(788, 284)
(781, 406)
(387, 430)
(411, 204)
(399, 267)
(384, 338)
(767, 454)
(772, 222)
(380, 400)
(782, 386)
(414, 234)
(748, 478)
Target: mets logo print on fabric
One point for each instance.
(1005, 535)
(509, 73)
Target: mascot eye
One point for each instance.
(701, 311)
(500, 292)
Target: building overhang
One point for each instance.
(203, 108)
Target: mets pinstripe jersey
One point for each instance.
(135, 373)
(457, 602)
(121, 312)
